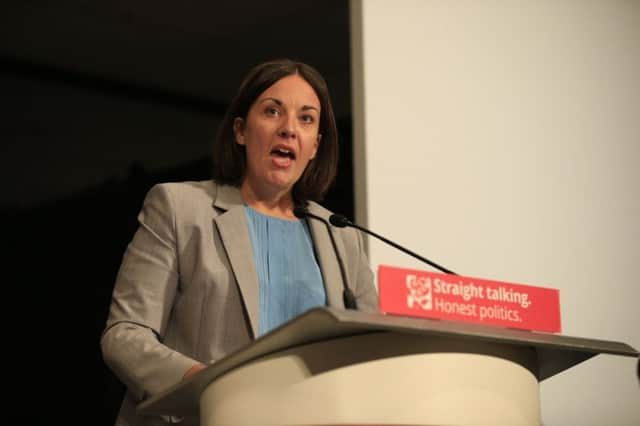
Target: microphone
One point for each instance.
(347, 295)
(341, 222)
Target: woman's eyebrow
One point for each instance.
(279, 103)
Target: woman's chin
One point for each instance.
(282, 180)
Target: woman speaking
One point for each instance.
(218, 263)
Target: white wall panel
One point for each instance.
(502, 140)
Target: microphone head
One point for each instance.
(339, 220)
(300, 212)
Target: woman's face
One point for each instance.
(280, 135)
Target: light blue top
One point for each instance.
(289, 277)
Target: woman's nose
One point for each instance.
(288, 129)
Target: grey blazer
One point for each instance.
(187, 289)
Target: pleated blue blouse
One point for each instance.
(289, 277)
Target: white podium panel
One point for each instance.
(381, 379)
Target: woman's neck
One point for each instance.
(276, 204)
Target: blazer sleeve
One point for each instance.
(143, 296)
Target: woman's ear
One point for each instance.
(238, 130)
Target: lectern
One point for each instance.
(336, 367)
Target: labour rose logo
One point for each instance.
(419, 292)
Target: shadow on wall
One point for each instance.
(64, 257)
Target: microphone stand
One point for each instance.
(348, 297)
(341, 222)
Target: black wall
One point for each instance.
(99, 102)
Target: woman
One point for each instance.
(218, 263)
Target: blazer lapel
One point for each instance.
(327, 257)
(232, 226)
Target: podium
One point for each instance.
(337, 367)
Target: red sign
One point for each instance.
(453, 297)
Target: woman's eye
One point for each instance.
(272, 111)
(307, 119)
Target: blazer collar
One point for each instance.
(234, 232)
(326, 255)
(226, 197)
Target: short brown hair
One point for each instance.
(229, 158)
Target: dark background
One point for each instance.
(99, 102)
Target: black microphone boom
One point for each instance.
(347, 295)
(341, 222)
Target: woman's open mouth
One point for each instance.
(282, 156)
